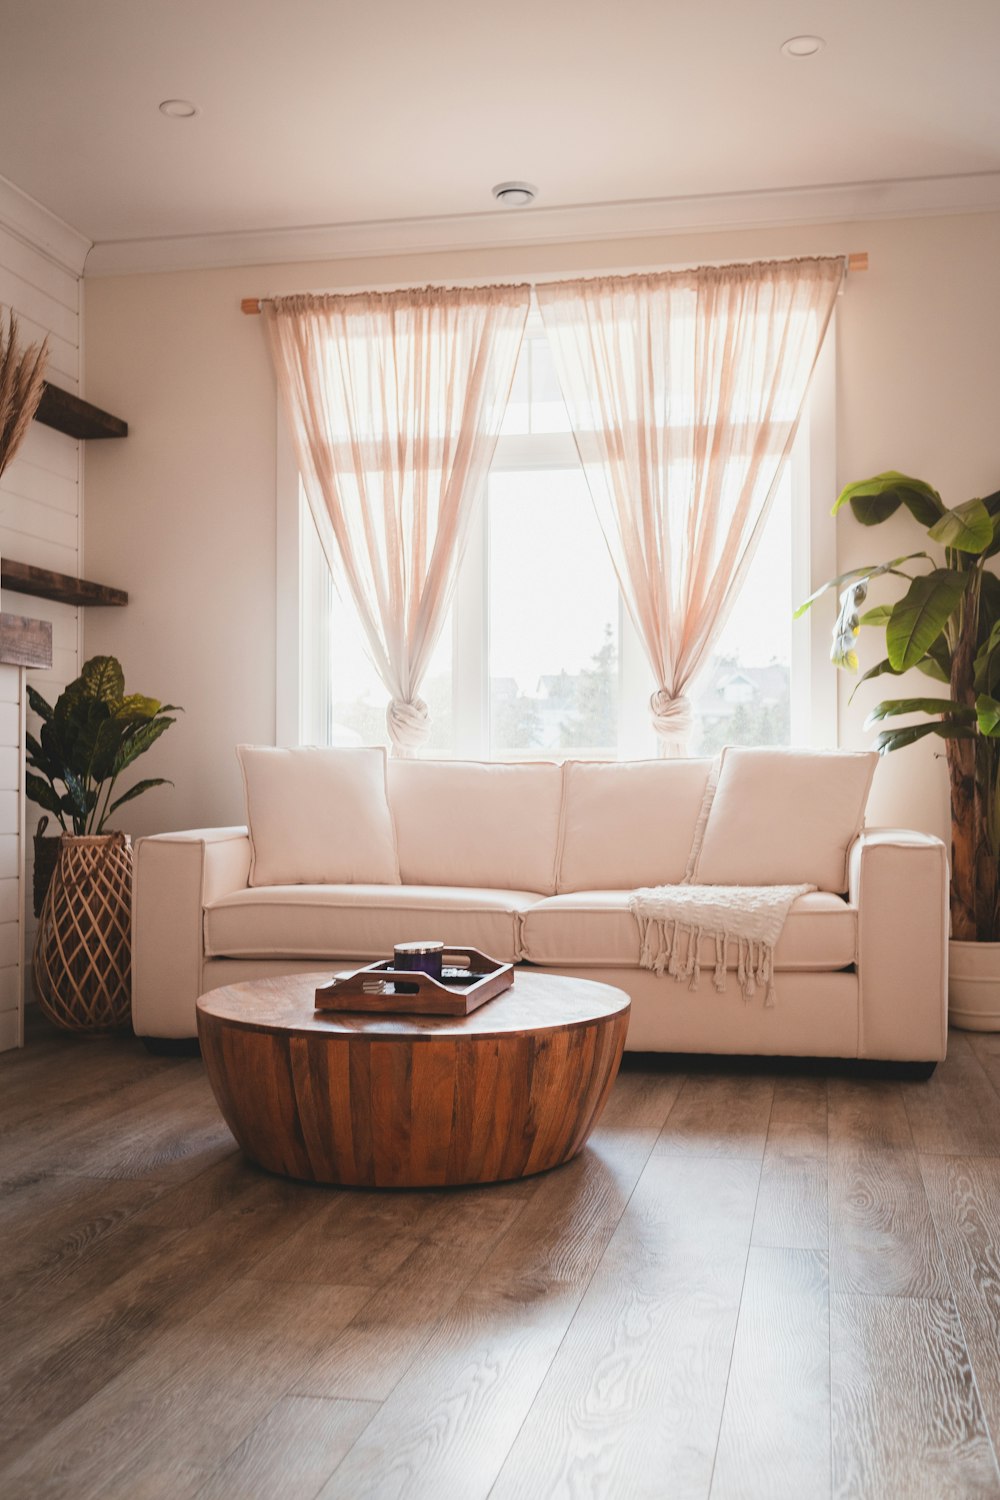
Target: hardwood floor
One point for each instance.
(751, 1285)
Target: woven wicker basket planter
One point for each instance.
(46, 859)
(82, 963)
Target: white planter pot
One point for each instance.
(974, 986)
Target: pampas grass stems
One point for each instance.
(22, 380)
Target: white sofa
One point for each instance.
(535, 863)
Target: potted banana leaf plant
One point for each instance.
(91, 735)
(945, 623)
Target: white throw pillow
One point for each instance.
(628, 823)
(477, 823)
(318, 816)
(785, 817)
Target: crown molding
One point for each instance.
(43, 231)
(906, 198)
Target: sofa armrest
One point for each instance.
(899, 884)
(176, 875)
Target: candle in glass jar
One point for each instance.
(424, 956)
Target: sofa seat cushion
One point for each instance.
(362, 921)
(596, 928)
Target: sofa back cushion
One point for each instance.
(318, 816)
(476, 823)
(627, 824)
(784, 817)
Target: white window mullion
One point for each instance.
(470, 649)
(636, 737)
(813, 462)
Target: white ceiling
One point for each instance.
(334, 112)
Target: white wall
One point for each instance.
(183, 513)
(40, 509)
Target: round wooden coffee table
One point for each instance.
(412, 1101)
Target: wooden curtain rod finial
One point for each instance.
(250, 306)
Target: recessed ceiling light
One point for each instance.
(514, 194)
(803, 46)
(178, 109)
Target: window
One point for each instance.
(538, 657)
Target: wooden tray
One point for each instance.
(373, 988)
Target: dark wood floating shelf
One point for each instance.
(25, 642)
(77, 418)
(24, 579)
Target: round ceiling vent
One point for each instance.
(178, 109)
(514, 194)
(803, 46)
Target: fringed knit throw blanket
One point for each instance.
(674, 919)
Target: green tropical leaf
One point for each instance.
(138, 743)
(880, 615)
(85, 734)
(36, 757)
(938, 653)
(874, 500)
(931, 666)
(989, 603)
(136, 706)
(38, 704)
(78, 800)
(107, 747)
(968, 528)
(137, 790)
(988, 714)
(943, 706)
(37, 790)
(896, 739)
(878, 670)
(856, 574)
(103, 679)
(55, 738)
(921, 615)
(986, 667)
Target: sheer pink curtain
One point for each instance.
(395, 401)
(684, 390)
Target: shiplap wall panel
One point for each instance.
(41, 486)
(23, 260)
(44, 554)
(45, 448)
(22, 517)
(10, 723)
(40, 524)
(10, 946)
(43, 310)
(10, 765)
(8, 990)
(9, 894)
(64, 357)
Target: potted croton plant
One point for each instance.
(945, 622)
(91, 735)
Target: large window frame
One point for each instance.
(304, 589)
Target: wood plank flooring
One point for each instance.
(752, 1285)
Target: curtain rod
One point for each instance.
(858, 261)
